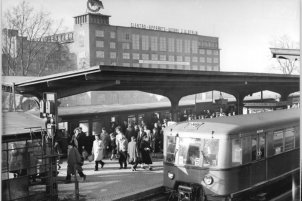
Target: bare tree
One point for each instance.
(24, 46)
(286, 66)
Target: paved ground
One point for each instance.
(110, 182)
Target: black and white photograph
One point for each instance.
(140, 100)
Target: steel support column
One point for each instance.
(174, 107)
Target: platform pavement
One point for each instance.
(110, 182)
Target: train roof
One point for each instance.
(229, 125)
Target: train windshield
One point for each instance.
(192, 151)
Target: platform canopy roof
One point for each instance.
(166, 82)
(282, 53)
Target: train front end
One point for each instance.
(190, 156)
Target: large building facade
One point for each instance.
(96, 42)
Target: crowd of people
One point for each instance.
(131, 144)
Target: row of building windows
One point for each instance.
(162, 47)
(167, 66)
(155, 57)
(101, 33)
(152, 43)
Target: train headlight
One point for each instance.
(208, 180)
(171, 175)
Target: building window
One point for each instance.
(194, 67)
(126, 64)
(99, 43)
(113, 63)
(163, 57)
(145, 42)
(202, 67)
(154, 43)
(99, 33)
(135, 56)
(135, 65)
(145, 56)
(112, 45)
(100, 54)
(187, 46)
(126, 36)
(125, 46)
(209, 60)
(154, 57)
(202, 59)
(194, 59)
(187, 59)
(112, 34)
(194, 47)
(126, 55)
(171, 58)
(215, 52)
(209, 52)
(215, 68)
(215, 60)
(201, 51)
(179, 58)
(178, 45)
(135, 42)
(209, 68)
(171, 47)
(112, 55)
(162, 44)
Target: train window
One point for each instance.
(63, 125)
(170, 153)
(131, 119)
(278, 141)
(140, 118)
(210, 152)
(96, 127)
(254, 148)
(236, 152)
(289, 139)
(85, 127)
(189, 151)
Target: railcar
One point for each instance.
(232, 158)
(94, 117)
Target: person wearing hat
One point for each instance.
(74, 162)
(98, 152)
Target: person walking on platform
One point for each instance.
(133, 153)
(74, 162)
(122, 147)
(145, 150)
(98, 152)
(141, 134)
(106, 140)
(113, 145)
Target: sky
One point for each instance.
(245, 28)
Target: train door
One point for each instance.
(258, 166)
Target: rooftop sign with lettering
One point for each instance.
(159, 28)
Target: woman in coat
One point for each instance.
(74, 162)
(133, 153)
(145, 150)
(98, 152)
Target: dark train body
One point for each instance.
(97, 116)
(232, 158)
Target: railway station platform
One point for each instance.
(110, 182)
